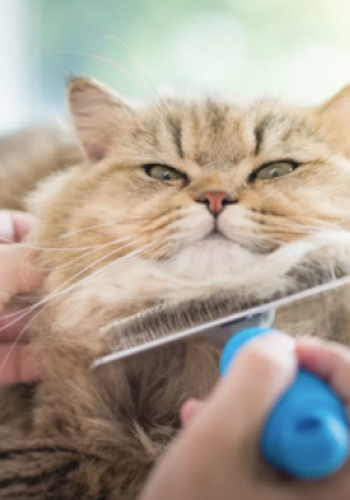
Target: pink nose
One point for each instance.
(215, 200)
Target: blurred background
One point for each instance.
(298, 49)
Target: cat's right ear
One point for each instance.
(97, 114)
(335, 119)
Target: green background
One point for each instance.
(298, 49)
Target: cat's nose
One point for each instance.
(215, 200)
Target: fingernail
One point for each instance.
(310, 341)
(277, 339)
(7, 233)
(278, 349)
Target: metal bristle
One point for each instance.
(166, 319)
(170, 319)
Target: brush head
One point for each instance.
(208, 319)
(166, 319)
(218, 317)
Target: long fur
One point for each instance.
(115, 241)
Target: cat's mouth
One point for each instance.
(215, 236)
(217, 241)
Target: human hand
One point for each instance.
(17, 275)
(217, 457)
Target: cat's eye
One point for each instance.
(164, 173)
(275, 170)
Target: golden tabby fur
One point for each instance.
(28, 156)
(115, 240)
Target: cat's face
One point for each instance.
(191, 190)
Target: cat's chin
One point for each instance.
(213, 256)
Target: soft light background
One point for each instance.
(298, 49)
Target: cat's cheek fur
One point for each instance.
(211, 257)
(83, 312)
(236, 225)
(195, 224)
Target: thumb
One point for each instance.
(241, 403)
(17, 273)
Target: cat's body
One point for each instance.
(120, 232)
(44, 149)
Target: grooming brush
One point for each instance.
(307, 433)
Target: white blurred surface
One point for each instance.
(16, 53)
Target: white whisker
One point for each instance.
(101, 59)
(134, 57)
(54, 295)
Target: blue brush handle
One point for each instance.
(307, 432)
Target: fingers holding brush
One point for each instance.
(216, 455)
(328, 360)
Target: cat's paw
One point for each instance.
(327, 257)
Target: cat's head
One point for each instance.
(180, 193)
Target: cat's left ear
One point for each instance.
(97, 114)
(335, 119)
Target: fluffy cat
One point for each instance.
(174, 201)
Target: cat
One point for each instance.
(179, 200)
